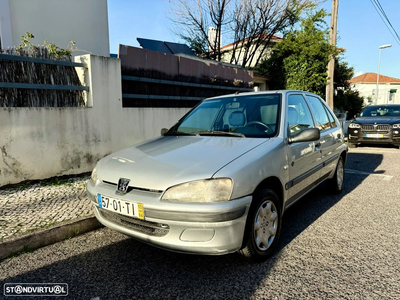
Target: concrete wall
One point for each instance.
(37, 143)
(368, 90)
(57, 21)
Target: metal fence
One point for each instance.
(154, 79)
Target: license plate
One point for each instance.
(374, 135)
(126, 208)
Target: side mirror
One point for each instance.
(307, 135)
(163, 131)
(356, 115)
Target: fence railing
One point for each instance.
(175, 83)
(188, 92)
(42, 60)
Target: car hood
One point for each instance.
(170, 160)
(377, 120)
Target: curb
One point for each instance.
(48, 236)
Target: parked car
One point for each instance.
(377, 124)
(221, 178)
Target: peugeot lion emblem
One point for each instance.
(122, 187)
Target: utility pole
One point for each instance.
(331, 64)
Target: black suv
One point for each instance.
(377, 124)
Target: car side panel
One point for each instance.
(329, 150)
(304, 167)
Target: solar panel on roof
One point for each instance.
(154, 45)
(165, 47)
(179, 48)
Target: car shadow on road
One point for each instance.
(129, 269)
(371, 146)
(308, 209)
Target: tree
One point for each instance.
(198, 46)
(300, 60)
(343, 74)
(249, 24)
(345, 98)
(350, 101)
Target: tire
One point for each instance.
(337, 182)
(263, 227)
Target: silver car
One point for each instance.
(221, 178)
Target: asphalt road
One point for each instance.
(332, 247)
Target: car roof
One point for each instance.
(239, 94)
(383, 105)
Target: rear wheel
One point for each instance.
(263, 226)
(337, 182)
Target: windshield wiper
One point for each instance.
(178, 133)
(220, 133)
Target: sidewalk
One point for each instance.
(37, 208)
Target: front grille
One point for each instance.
(130, 188)
(368, 127)
(146, 227)
(374, 128)
(384, 127)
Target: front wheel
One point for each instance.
(263, 226)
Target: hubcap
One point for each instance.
(265, 225)
(340, 175)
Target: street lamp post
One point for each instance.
(379, 65)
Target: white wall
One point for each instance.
(368, 90)
(5, 23)
(37, 143)
(59, 22)
(240, 51)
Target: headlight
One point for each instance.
(354, 125)
(93, 177)
(396, 126)
(201, 191)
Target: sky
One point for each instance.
(360, 30)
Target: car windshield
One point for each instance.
(381, 111)
(238, 116)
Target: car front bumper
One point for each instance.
(206, 228)
(357, 135)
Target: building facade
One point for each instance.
(240, 49)
(57, 21)
(388, 91)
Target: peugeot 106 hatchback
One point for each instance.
(221, 178)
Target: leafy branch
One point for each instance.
(52, 49)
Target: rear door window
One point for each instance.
(331, 118)
(319, 112)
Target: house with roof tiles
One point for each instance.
(260, 81)
(388, 89)
(240, 48)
